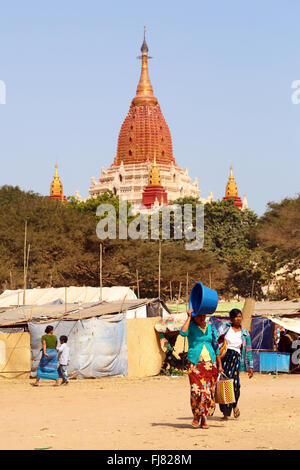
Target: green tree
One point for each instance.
(278, 230)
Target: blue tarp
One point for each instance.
(262, 333)
(97, 345)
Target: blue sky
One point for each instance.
(222, 72)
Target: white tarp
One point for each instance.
(74, 295)
(291, 324)
(97, 345)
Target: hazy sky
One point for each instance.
(222, 72)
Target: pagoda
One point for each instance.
(231, 193)
(56, 187)
(154, 193)
(144, 133)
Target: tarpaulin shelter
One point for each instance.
(103, 339)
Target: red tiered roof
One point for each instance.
(153, 192)
(235, 199)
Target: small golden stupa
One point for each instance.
(56, 187)
(232, 191)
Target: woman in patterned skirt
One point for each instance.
(203, 355)
(238, 357)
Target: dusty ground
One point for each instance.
(148, 413)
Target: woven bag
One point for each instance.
(224, 391)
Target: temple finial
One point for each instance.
(144, 92)
(56, 171)
(144, 48)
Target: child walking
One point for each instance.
(63, 359)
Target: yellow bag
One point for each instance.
(224, 391)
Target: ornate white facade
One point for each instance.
(128, 181)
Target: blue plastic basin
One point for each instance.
(203, 300)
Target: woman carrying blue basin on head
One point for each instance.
(204, 360)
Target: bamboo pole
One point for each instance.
(101, 256)
(24, 281)
(187, 290)
(138, 284)
(179, 293)
(27, 261)
(66, 300)
(159, 266)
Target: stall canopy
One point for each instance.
(290, 324)
(140, 308)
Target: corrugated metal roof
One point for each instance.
(276, 308)
(44, 313)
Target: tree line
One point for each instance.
(240, 255)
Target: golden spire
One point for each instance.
(144, 92)
(56, 187)
(154, 178)
(231, 187)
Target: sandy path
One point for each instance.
(148, 413)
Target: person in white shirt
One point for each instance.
(63, 360)
(238, 357)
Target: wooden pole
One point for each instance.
(171, 296)
(101, 256)
(66, 300)
(11, 280)
(27, 261)
(159, 268)
(187, 290)
(137, 284)
(179, 294)
(25, 241)
(210, 280)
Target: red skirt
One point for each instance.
(203, 379)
